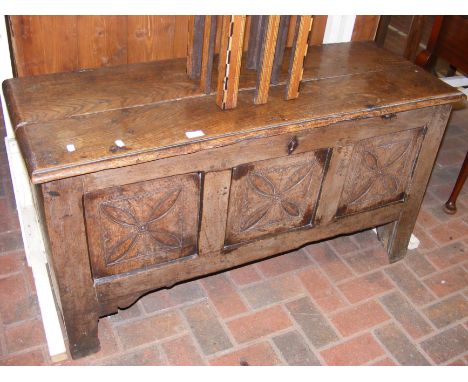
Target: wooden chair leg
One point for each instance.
(451, 207)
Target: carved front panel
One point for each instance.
(379, 171)
(142, 224)
(274, 195)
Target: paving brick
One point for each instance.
(24, 308)
(312, 322)
(186, 292)
(12, 262)
(358, 318)
(321, 290)
(448, 311)
(148, 356)
(133, 311)
(448, 255)
(458, 362)
(16, 303)
(402, 310)
(367, 260)
(384, 362)
(12, 289)
(366, 239)
(447, 282)
(24, 335)
(259, 324)
(150, 329)
(409, 284)
(426, 219)
(453, 230)
(206, 328)
(343, 245)
(182, 352)
(11, 241)
(418, 263)
(295, 350)
(106, 339)
(273, 290)
(8, 216)
(447, 344)
(29, 358)
(366, 286)
(177, 295)
(284, 263)
(157, 301)
(426, 243)
(255, 355)
(400, 346)
(223, 295)
(356, 351)
(245, 275)
(329, 262)
(438, 212)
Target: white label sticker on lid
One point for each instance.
(119, 143)
(194, 134)
(71, 148)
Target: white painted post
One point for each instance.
(30, 227)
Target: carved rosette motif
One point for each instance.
(142, 224)
(379, 172)
(274, 195)
(146, 231)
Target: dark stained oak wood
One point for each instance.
(382, 29)
(399, 232)
(354, 151)
(365, 28)
(128, 86)
(144, 128)
(63, 211)
(195, 46)
(414, 38)
(142, 224)
(123, 291)
(448, 40)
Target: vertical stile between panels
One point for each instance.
(267, 54)
(230, 56)
(296, 66)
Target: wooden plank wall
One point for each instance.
(48, 44)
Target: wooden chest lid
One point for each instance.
(150, 107)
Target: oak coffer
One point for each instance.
(143, 182)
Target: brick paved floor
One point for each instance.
(334, 303)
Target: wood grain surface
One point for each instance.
(374, 83)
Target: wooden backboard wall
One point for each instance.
(48, 44)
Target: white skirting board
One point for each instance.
(35, 251)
